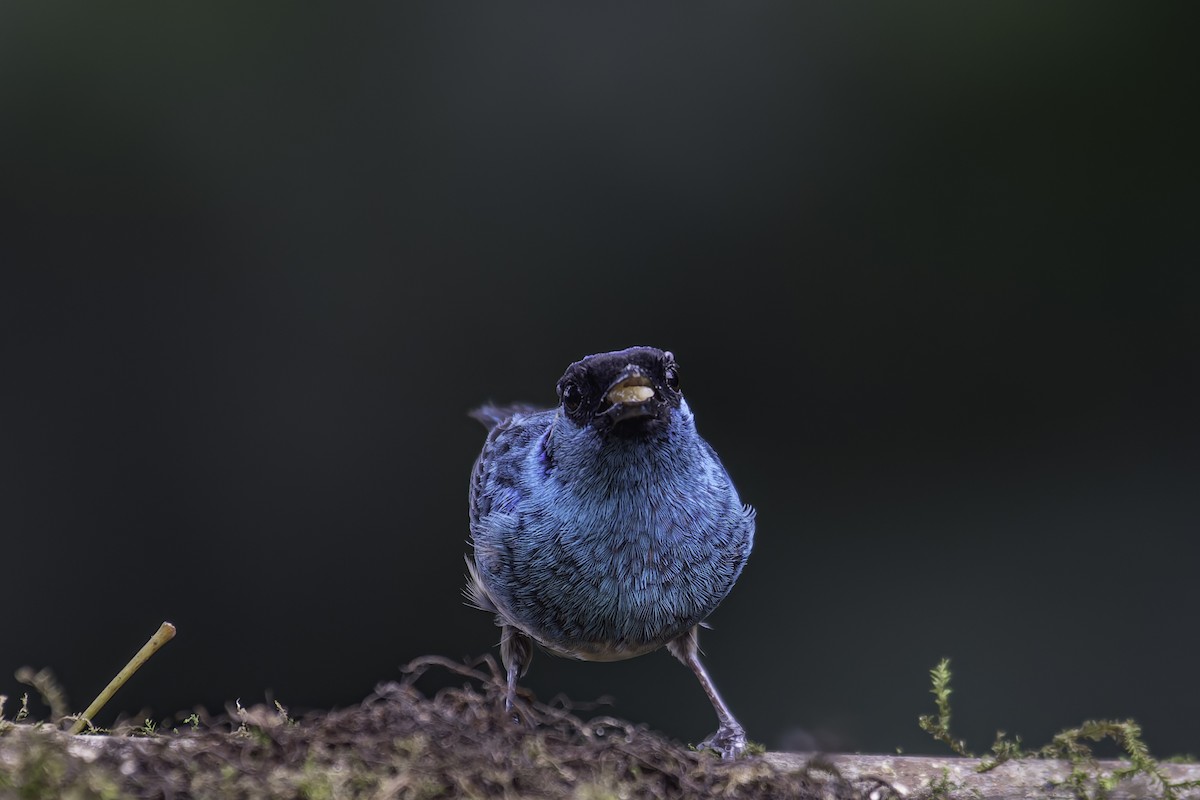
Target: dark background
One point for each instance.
(930, 274)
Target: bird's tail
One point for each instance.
(474, 593)
(492, 415)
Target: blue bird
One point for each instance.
(606, 528)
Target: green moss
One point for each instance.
(939, 727)
(943, 788)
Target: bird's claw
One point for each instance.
(518, 713)
(729, 741)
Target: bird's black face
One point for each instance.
(623, 393)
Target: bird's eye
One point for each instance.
(571, 397)
(672, 377)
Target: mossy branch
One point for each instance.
(1070, 744)
(1127, 734)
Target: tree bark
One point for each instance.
(953, 777)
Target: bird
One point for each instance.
(606, 528)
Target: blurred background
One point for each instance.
(930, 273)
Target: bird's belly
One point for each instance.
(600, 651)
(605, 617)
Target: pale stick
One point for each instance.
(165, 633)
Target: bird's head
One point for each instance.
(624, 393)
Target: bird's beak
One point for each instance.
(634, 389)
(631, 395)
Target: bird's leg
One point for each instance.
(730, 738)
(516, 651)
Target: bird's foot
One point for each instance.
(729, 741)
(518, 712)
(510, 708)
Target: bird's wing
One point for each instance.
(495, 493)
